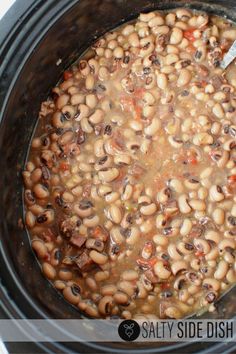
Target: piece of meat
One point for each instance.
(77, 240)
(84, 261)
(151, 276)
(216, 81)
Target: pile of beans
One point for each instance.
(131, 178)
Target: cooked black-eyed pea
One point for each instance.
(41, 191)
(108, 289)
(161, 221)
(222, 159)
(192, 183)
(164, 195)
(174, 252)
(185, 247)
(36, 143)
(153, 128)
(65, 274)
(226, 244)
(56, 256)
(127, 287)
(197, 204)
(91, 309)
(91, 283)
(178, 266)
(86, 126)
(179, 282)
(48, 270)
(202, 139)
(176, 36)
(106, 304)
(218, 216)
(67, 197)
(175, 142)
(212, 255)
(68, 112)
(101, 275)
(183, 14)
(229, 257)
(89, 82)
(39, 248)
(210, 297)
(212, 235)
(173, 312)
(112, 197)
(96, 117)
(231, 276)
(202, 245)
(97, 257)
(147, 250)
(141, 290)
(72, 294)
(221, 270)
(116, 235)
(83, 209)
(148, 209)
(133, 145)
(30, 219)
(218, 111)
(129, 275)
(183, 204)
(95, 244)
(36, 175)
(36, 209)
(121, 298)
(122, 160)
(62, 101)
(193, 277)
(162, 81)
(60, 285)
(184, 78)
(115, 213)
(186, 227)
(108, 175)
(229, 145)
(162, 270)
(47, 217)
(127, 192)
(133, 235)
(66, 138)
(104, 190)
(216, 193)
(58, 120)
(91, 221)
(94, 66)
(126, 314)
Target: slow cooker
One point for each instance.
(38, 40)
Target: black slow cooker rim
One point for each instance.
(31, 15)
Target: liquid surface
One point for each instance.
(131, 178)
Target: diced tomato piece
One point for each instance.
(127, 103)
(139, 92)
(192, 160)
(199, 254)
(67, 75)
(165, 286)
(146, 263)
(100, 233)
(188, 34)
(64, 166)
(138, 112)
(232, 179)
(190, 49)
